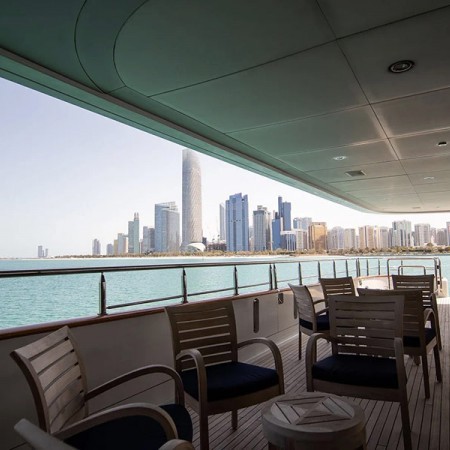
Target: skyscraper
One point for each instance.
(133, 235)
(236, 211)
(148, 240)
(222, 224)
(318, 236)
(422, 234)
(96, 247)
(167, 227)
(192, 199)
(402, 233)
(284, 212)
(261, 229)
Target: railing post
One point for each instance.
(358, 267)
(300, 276)
(270, 277)
(346, 267)
(236, 283)
(319, 272)
(102, 295)
(184, 287)
(275, 281)
(367, 266)
(379, 267)
(334, 268)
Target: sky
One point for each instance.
(68, 176)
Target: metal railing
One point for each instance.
(277, 276)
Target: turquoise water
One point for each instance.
(30, 300)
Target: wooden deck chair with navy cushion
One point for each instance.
(367, 360)
(55, 373)
(337, 286)
(205, 349)
(312, 314)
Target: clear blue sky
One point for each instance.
(68, 176)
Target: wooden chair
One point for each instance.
(337, 286)
(367, 360)
(205, 349)
(55, 373)
(39, 439)
(312, 315)
(418, 340)
(426, 284)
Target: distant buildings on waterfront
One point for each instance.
(42, 252)
(268, 230)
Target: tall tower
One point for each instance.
(133, 235)
(167, 227)
(192, 199)
(261, 229)
(236, 209)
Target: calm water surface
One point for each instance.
(33, 300)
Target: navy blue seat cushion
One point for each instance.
(231, 379)
(414, 341)
(133, 432)
(323, 323)
(357, 370)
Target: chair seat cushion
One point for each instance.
(414, 341)
(133, 432)
(357, 370)
(323, 323)
(231, 379)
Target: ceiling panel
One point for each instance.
(416, 114)
(313, 82)
(167, 45)
(354, 126)
(427, 178)
(373, 152)
(352, 16)
(370, 54)
(433, 187)
(432, 164)
(386, 169)
(412, 202)
(422, 144)
(372, 183)
(383, 192)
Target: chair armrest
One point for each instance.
(154, 368)
(132, 409)
(311, 356)
(201, 373)
(38, 438)
(429, 315)
(400, 361)
(275, 353)
(321, 311)
(177, 444)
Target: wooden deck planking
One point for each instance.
(430, 419)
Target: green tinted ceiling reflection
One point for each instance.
(43, 33)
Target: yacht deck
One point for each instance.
(430, 419)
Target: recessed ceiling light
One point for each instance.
(339, 158)
(355, 173)
(441, 144)
(401, 66)
(428, 178)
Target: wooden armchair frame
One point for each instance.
(337, 286)
(204, 336)
(56, 376)
(426, 284)
(310, 311)
(362, 330)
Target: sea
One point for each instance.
(42, 299)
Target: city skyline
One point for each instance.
(69, 176)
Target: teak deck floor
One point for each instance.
(430, 419)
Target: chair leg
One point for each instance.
(438, 327)
(299, 344)
(437, 363)
(426, 377)
(234, 419)
(204, 431)
(416, 360)
(405, 422)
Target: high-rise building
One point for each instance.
(335, 238)
(110, 249)
(301, 237)
(261, 229)
(318, 236)
(133, 235)
(192, 199)
(237, 223)
(148, 240)
(122, 244)
(422, 234)
(289, 240)
(402, 234)
(167, 228)
(40, 252)
(222, 224)
(350, 238)
(441, 236)
(276, 231)
(383, 241)
(284, 212)
(96, 247)
(367, 237)
(302, 223)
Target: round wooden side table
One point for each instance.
(311, 421)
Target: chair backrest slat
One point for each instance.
(56, 378)
(304, 301)
(208, 327)
(424, 283)
(364, 325)
(337, 286)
